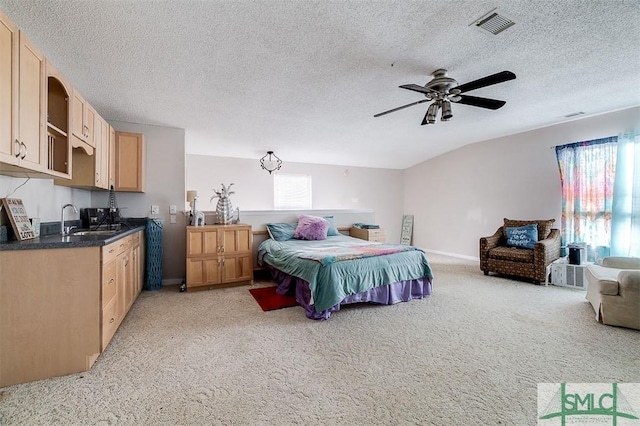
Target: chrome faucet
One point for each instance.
(64, 230)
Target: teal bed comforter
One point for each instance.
(341, 266)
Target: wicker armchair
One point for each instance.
(496, 256)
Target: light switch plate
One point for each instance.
(173, 209)
(155, 209)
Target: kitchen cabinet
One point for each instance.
(112, 157)
(130, 162)
(121, 281)
(49, 313)
(58, 120)
(91, 171)
(60, 307)
(101, 160)
(82, 121)
(218, 255)
(9, 146)
(23, 147)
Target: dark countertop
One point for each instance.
(69, 241)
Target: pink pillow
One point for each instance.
(311, 228)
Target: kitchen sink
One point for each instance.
(97, 232)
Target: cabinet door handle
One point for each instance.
(111, 251)
(112, 320)
(25, 150)
(110, 281)
(222, 249)
(18, 148)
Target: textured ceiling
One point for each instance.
(304, 78)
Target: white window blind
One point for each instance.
(292, 192)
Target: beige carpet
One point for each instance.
(470, 354)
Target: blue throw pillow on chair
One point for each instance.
(522, 236)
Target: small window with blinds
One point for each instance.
(292, 192)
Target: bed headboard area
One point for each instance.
(258, 218)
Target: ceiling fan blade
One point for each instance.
(489, 80)
(481, 102)
(402, 107)
(424, 120)
(417, 88)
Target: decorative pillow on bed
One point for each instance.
(311, 228)
(281, 231)
(522, 236)
(332, 231)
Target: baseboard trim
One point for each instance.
(459, 256)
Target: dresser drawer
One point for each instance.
(375, 233)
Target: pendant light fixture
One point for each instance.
(270, 162)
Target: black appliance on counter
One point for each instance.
(99, 217)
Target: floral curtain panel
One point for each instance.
(587, 173)
(625, 227)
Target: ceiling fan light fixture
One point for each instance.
(431, 113)
(446, 111)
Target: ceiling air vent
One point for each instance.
(493, 22)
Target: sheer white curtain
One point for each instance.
(625, 221)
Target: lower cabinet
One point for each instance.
(218, 255)
(60, 307)
(122, 266)
(49, 312)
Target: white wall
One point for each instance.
(333, 187)
(463, 195)
(43, 199)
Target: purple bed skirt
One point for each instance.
(402, 291)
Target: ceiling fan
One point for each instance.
(443, 90)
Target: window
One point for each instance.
(587, 173)
(292, 192)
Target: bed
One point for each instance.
(340, 270)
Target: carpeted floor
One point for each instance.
(470, 354)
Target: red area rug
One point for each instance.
(269, 300)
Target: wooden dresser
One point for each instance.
(376, 235)
(218, 255)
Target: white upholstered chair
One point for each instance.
(614, 291)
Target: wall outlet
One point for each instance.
(173, 209)
(173, 218)
(155, 209)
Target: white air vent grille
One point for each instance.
(494, 23)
